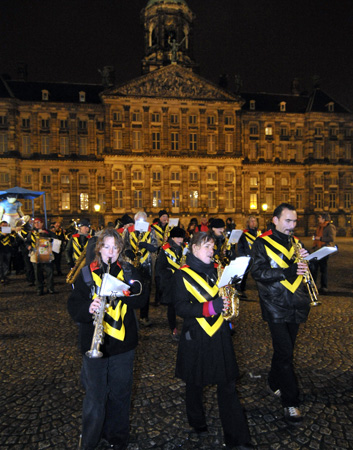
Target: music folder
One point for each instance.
(321, 253)
(236, 268)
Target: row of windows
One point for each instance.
(284, 130)
(46, 123)
(174, 118)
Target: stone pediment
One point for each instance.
(172, 81)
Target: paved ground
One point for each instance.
(40, 401)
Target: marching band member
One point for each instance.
(23, 228)
(60, 234)
(284, 301)
(205, 353)
(39, 244)
(217, 229)
(245, 244)
(107, 380)
(77, 242)
(167, 263)
(139, 247)
(6, 242)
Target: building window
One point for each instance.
(175, 176)
(100, 180)
(4, 177)
(45, 124)
(136, 140)
(253, 201)
(156, 117)
(46, 179)
(269, 151)
(137, 175)
(333, 131)
(3, 121)
(156, 141)
(282, 106)
(156, 176)
(212, 199)
(64, 125)
(211, 143)
(136, 116)
(118, 140)
(284, 132)
(118, 175)
(82, 125)
(318, 200)
(252, 105)
(254, 148)
(192, 141)
(211, 120)
(100, 145)
(229, 176)
(253, 181)
(193, 119)
(229, 200)
(174, 119)
(82, 96)
(118, 199)
(45, 95)
(137, 199)
(174, 139)
(318, 131)
(26, 122)
(64, 145)
(3, 143)
(331, 107)
(269, 201)
(175, 199)
(84, 204)
(300, 181)
(82, 146)
(211, 176)
(284, 152)
(268, 130)
(194, 199)
(348, 150)
(299, 132)
(156, 199)
(228, 142)
(254, 130)
(284, 181)
(269, 181)
(45, 145)
(117, 116)
(333, 200)
(27, 179)
(193, 176)
(65, 179)
(347, 200)
(100, 125)
(83, 178)
(65, 201)
(318, 150)
(228, 120)
(299, 201)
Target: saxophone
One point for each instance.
(98, 334)
(231, 293)
(307, 277)
(74, 272)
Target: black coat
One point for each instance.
(278, 304)
(201, 359)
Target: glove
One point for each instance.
(213, 307)
(149, 247)
(130, 254)
(290, 271)
(143, 245)
(217, 304)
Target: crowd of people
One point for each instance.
(182, 264)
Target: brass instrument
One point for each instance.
(166, 234)
(308, 278)
(232, 294)
(222, 253)
(74, 272)
(98, 334)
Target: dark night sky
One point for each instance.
(268, 43)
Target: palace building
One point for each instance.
(170, 139)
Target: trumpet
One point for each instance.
(308, 278)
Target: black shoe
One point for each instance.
(276, 394)
(202, 431)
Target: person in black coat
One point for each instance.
(205, 353)
(284, 301)
(107, 380)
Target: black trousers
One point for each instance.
(322, 265)
(234, 424)
(282, 374)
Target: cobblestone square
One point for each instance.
(41, 395)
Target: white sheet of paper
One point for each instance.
(322, 252)
(56, 244)
(173, 222)
(6, 230)
(236, 268)
(141, 225)
(235, 236)
(112, 286)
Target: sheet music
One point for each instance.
(56, 244)
(173, 222)
(321, 253)
(235, 236)
(141, 225)
(6, 230)
(236, 268)
(113, 286)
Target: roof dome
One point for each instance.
(175, 2)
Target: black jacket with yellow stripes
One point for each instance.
(283, 294)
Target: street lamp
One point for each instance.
(97, 208)
(264, 207)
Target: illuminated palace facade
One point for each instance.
(170, 139)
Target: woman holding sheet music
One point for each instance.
(205, 353)
(107, 380)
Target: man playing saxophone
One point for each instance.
(284, 300)
(107, 380)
